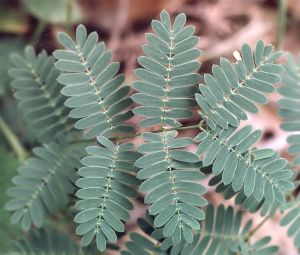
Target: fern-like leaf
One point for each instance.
(221, 233)
(233, 89)
(166, 81)
(248, 202)
(105, 187)
(166, 87)
(171, 178)
(38, 92)
(290, 104)
(44, 183)
(259, 172)
(95, 91)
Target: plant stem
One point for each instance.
(251, 233)
(281, 22)
(69, 10)
(38, 32)
(13, 140)
(117, 138)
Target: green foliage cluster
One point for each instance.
(220, 233)
(38, 94)
(80, 110)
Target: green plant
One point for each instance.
(82, 91)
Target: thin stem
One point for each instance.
(38, 32)
(251, 233)
(281, 22)
(69, 10)
(13, 140)
(117, 138)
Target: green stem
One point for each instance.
(118, 138)
(13, 140)
(159, 131)
(38, 32)
(251, 233)
(281, 22)
(69, 15)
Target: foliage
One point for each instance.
(37, 89)
(259, 172)
(248, 202)
(104, 191)
(233, 89)
(222, 233)
(96, 95)
(166, 83)
(43, 183)
(83, 91)
(166, 86)
(172, 185)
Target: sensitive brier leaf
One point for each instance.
(168, 73)
(240, 167)
(104, 188)
(37, 90)
(166, 92)
(96, 95)
(233, 89)
(44, 183)
(172, 189)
